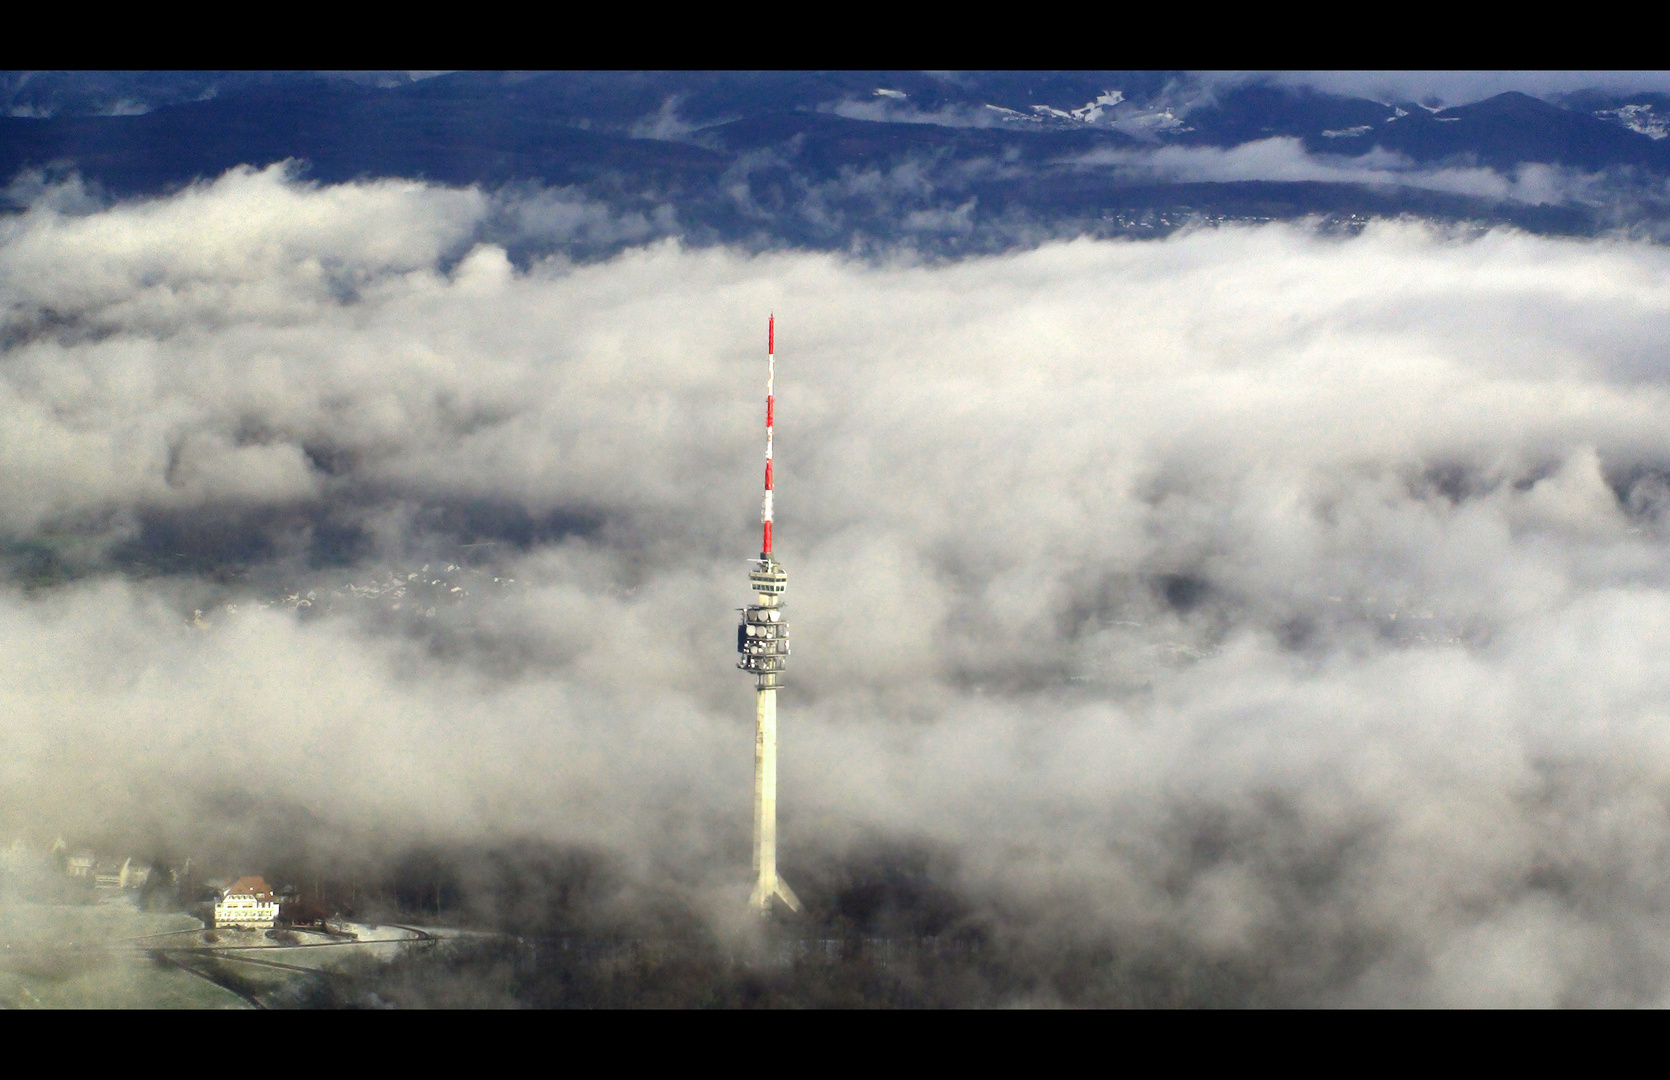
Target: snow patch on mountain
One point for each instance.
(1013, 115)
(1639, 119)
(1092, 111)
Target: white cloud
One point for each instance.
(1284, 159)
(1240, 589)
(664, 123)
(891, 110)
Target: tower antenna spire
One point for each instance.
(763, 640)
(770, 423)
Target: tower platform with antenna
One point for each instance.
(762, 639)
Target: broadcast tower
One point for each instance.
(763, 641)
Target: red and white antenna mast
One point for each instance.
(770, 410)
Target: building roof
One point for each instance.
(250, 886)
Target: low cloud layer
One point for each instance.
(1285, 160)
(1251, 601)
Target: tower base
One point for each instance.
(760, 899)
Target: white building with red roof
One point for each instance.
(249, 901)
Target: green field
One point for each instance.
(93, 957)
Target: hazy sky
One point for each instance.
(1278, 598)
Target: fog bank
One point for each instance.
(1288, 603)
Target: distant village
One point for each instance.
(63, 874)
(413, 591)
